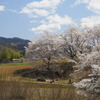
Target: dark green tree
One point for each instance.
(9, 54)
(5, 55)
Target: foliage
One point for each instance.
(15, 43)
(8, 55)
(44, 48)
(74, 42)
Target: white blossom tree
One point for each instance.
(92, 83)
(44, 48)
(74, 42)
(85, 45)
(91, 60)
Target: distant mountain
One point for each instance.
(15, 43)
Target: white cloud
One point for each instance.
(54, 23)
(46, 27)
(44, 4)
(41, 12)
(41, 8)
(93, 5)
(60, 20)
(82, 1)
(90, 21)
(2, 8)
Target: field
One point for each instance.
(18, 88)
(7, 70)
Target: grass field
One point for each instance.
(18, 88)
(7, 70)
(12, 67)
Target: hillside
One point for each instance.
(15, 43)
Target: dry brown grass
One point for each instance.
(17, 90)
(6, 69)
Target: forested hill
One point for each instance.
(15, 43)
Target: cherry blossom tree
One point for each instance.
(92, 83)
(44, 48)
(91, 60)
(74, 42)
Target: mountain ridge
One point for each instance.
(15, 43)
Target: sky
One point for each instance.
(27, 19)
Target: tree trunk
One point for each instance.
(49, 59)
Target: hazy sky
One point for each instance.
(29, 18)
